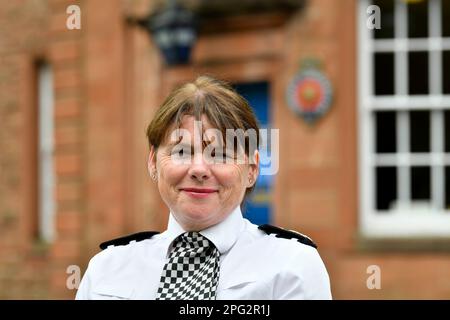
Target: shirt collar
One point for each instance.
(223, 235)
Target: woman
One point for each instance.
(204, 168)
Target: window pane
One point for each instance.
(387, 19)
(447, 130)
(46, 152)
(447, 188)
(386, 187)
(418, 72)
(384, 73)
(386, 137)
(445, 18)
(418, 19)
(446, 71)
(420, 183)
(419, 122)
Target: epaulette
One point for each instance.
(122, 241)
(287, 234)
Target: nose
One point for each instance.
(199, 169)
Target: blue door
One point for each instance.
(258, 208)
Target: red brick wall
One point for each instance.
(32, 31)
(109, 78)
(102, 106)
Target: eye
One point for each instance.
(218, 156)
(179, 152)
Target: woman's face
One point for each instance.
(199, 190)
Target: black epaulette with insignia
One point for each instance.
(287, 234)
(122, 241)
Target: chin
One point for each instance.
(197, 213)
(201, 214)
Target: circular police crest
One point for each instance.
(309, 94)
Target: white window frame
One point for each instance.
(46, 176)
(406, 221)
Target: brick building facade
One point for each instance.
(108, 79)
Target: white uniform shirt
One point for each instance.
(253, 265)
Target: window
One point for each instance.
(46, 183)
(404, 119)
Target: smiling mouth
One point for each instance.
(199, 192)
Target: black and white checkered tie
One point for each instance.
(192, 270)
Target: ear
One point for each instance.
(253, 170)
(151, 163)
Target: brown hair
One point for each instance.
(214, 98)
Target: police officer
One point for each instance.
(209, 251)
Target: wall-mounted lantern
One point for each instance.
(174, 31)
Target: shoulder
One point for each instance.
(128, 239)
(111, 268)
(281, 233)
(303, 274)
(278, 244)
(117, 251)
(286, 245)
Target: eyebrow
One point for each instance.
(173, 143)
(184, 144)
